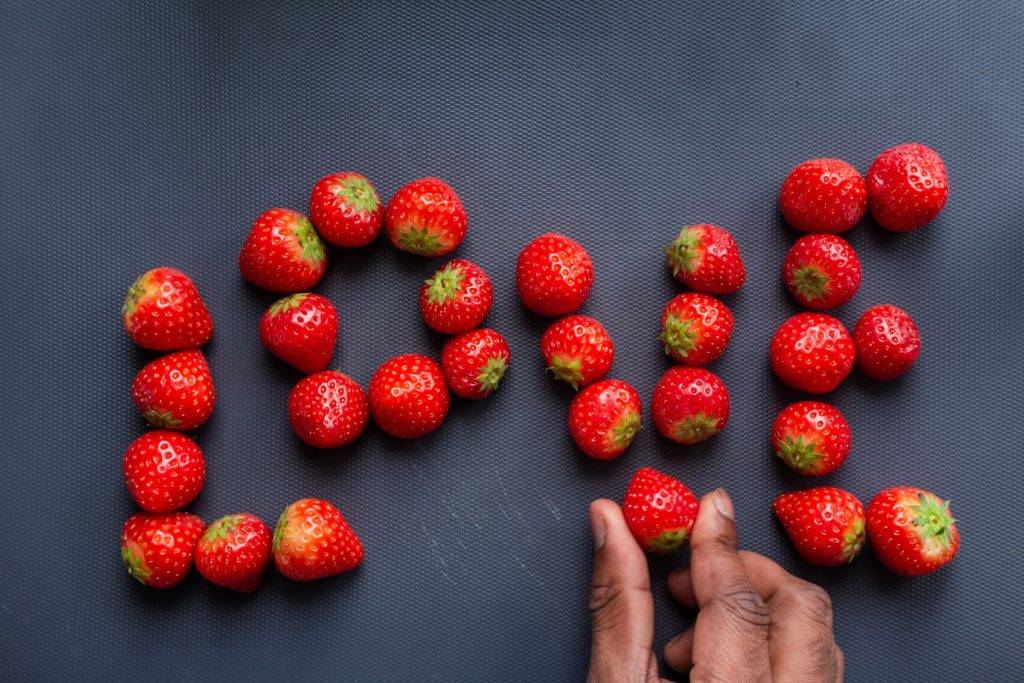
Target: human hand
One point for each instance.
(755, 621)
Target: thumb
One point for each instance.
(621, 607)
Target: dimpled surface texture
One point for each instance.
(657, 503)
(157, 549)
(821, 271)
(888, 342)
(408, 396)
(346, 210)
(695, 328)
(426, 217)
(328, 409)
(706, 258)
(301, 330)
(234, 551)
(578, 349)
(604, 418)
(175, 391)
(456, 298)
(473, 361)
(163, 470)
(895, 539)
(164, 311)
(907, 187)
(312, 540)
(686, 395)
(811, 437)
(282, 253)
(826, 524)
(554, 275)
(823, 195)
(812, 352)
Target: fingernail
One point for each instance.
(724, 504)
(597, 530)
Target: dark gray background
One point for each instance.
(135, 135)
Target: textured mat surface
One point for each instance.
(137, 134)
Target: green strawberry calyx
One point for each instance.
(132, 556)
(799, 453)
(491, 374)
(357, 193)
(678, 336)
(279, 530)
(853, 540)
(420, 241)
(684, 252)
(568, 370)
(287, 303)
(308, 240)
(445, 284)
(933, 521)
(810, 282)
(669, 540)
(696, 428)
(136, 293)
(221, 528)
(625, 429)
(161, 418)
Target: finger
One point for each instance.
(764, 574)
(621, 606)
(679, 651)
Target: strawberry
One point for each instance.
(578, 350)
(164, 312)
(689, 404)
(887, 341)
(811, 437)
(175, 391)
(554, 275)
(157, 549)
(456, 298)
(312, 541)
(328, 409)
(474, 362)
(300, 329)
(912, 531)
(823, 195)
(164, 470)
(282, 253)
(706, 258)
(695, 328)
(826, 524)
(659, 510)
(907, 187)
(346, 210)
(408, 396)
(604, 418)
(821, 271)
(234, 551)
(812, 352)
(426, 217)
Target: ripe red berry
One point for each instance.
(812, 352)
(456, 298)
(690, 404)
(282, 253)
(164, 470)
(175, 391)
(164, 312)
(346, 210)
(811, 437)
(887, 341)
(157, 549)
(408, 396)
(826, 524)
(554, 275)
(659, 510)
(907, 187)
(426, 217)
(912, 531)
(821, 271)
(300, 329)
(578, 350)
(234, 551)
(823, 195)
(474, 362)
(604, 418)
(328, 409)
(312, 541)
(695, 328)
(706, 258)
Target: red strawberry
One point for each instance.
(426, 217)
(578, 350)
(826, 524)
(821, 271)
(474, 362)
(604, 418)
(695, 328)
(457, 298)
(659, 510)
(812, 352)
(300, 329)
(328, 409)
(811, 437)
(911, 530)
(907, 187)
(164, 470)
(234, 551)
(283, 253)
(408, 396)
(175, 391)
(346, 210)
(312, 541)
(157, 549)
(706, 258)
(163, 312)
(887, 341)
(690, 404)
(554, 275)
(823, 195)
